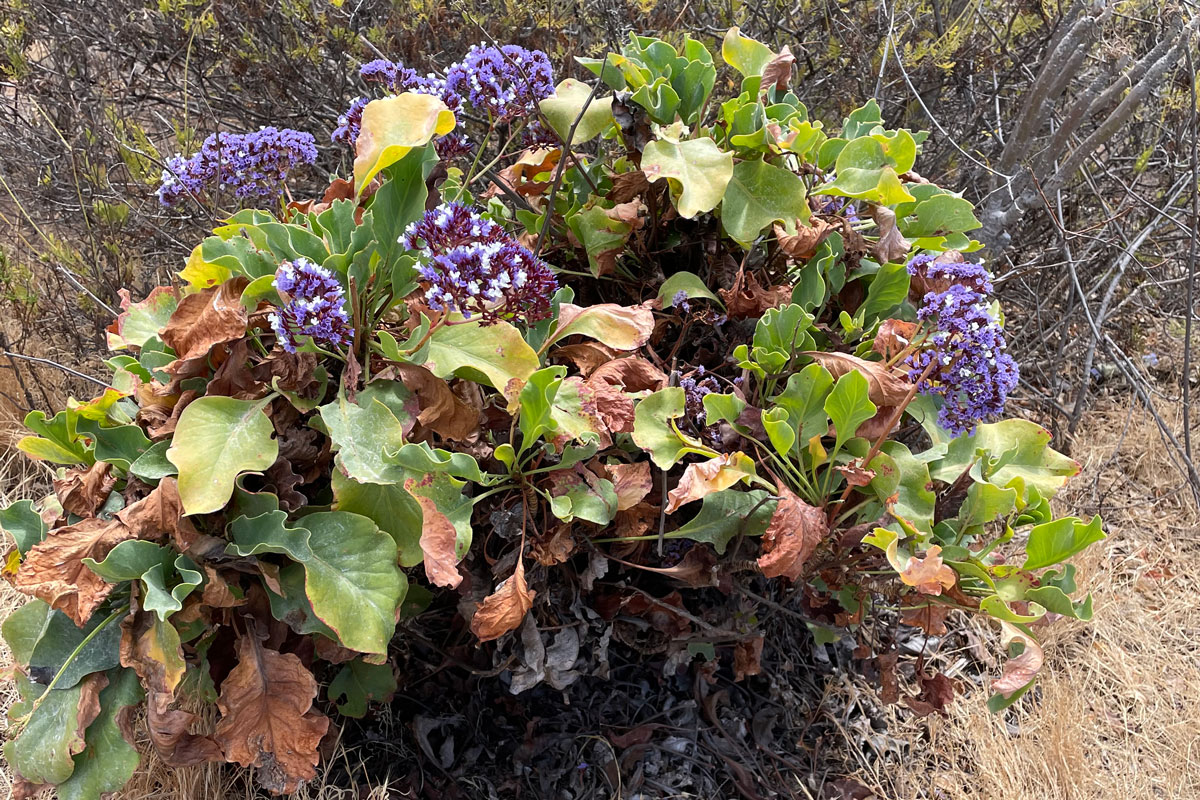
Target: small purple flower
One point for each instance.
(398, 79)
(680, 301)
(538, 135)
(966, 352)
(250, 165)
(350, 122)
(506, 82)
(453, 145)
(473, 266)
(314, 306)
(1150, 359)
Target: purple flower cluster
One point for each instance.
(314, 305)
(965, 354)
(453, 145)
(398, 79)
(695, 387)
(350, 122)
(473, 266)
(506, 82)
(836, 205)
(249, 165)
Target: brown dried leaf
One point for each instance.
(587, 356)
(631, 482)
(891, 245)
(442, 411)
(893, 336)
(1020, 670)
(628, 185)
(205, 319)
(438, 540)
(503, 610)
(634, 373)
(53, 569)
(159, 514)
(746, 298)
(937, 692)
(778, 72)
(556, 548)
(520, 176)
(928, 575)
(267, 719)
(804, 242)
(636, 520)
(613, 406)
(706, 477)
(855, 474)
(930, 617)
(83, 491)
(795, 530)
(886, 387)
(747, 657)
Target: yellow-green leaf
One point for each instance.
(393, 126)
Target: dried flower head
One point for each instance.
(314, 306)
(249, 165)
(505, 82)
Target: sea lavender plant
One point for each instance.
(248, 165)
(473, 266)
(964, 358)
(505, 82)
(314, 306)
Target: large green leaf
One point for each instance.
(364, 433)
(496, 355)
(44, 750)
(388, 506)
(725, 514)
(746, 55)
(849, 405)
(804, 400)
(1055, 542)
(899, 474)
(399, 201)
(351, 577)
(107, 761)
(1024, 449)
(654, 429)
(43, 640)
(359, 682)
(392, 127)
(758, 195)
(566, 105)
(697, 170)
(536, 400)
(22, 522)
(217, 439)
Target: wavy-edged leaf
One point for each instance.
(697, 169)
(392, 127)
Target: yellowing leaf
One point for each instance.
(619, 327)
(393, 126)
(710, 476)
(748, 56)
(567, 103)
(697, 166)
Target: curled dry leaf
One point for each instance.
(894, 335)
(629, 185)
(886, 386)
(53, 569)
(160, 514)
(795, 530)
(438, 540)
(937, 692)
(205, 319)
(631, 482)
(746, 298)
(891, 245)
(611, 404)
(778, 71)
(1022, 669)
(930, 617)
(555, 548)
(928, 575)
(521, 176)
(855, 474)
(83, 491)
(747, 657)
(804, 242)
(503, 610)
(442, 411)
(706, 477)
(267, 719)
(586, 356)
(634, 374)
(619, 327)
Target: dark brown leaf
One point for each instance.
(53, 570)
(586, 356)
(886, 387)
(205, 319)
(937, 692)
(634, 373)
(803, 244)
(795, 530)
(746, 298)
(891, 245)
(83, 491)
(442, 411)
(503, 610)
(747, 657)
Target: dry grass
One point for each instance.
(1118, 711)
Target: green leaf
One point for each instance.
(421, 458)
(690, 284)
(392, 127)
(57, 441)
(888, 289)
(142, 321)
(165, 601)
(869, 168)
(448, 497)
(107, 761)
(119, 445)
(364, 435)
(779, 334)
(758, 195)
(1025, 446)
(654, 430)
(129, 560)
(496, 355)
(567, 103)
(898, 472)
(153, 465)
(397, 203)
(804, 400)
(351, 577)
(217, 439)
(359, 682)
(389, 507)
(940, 215)
(44, 750)
(849, 405)
(586, 498)
(746, 55)
(697, 170)
(726, 513)
(985, 503)
(22, 522)
(42, 640)
(536, 400)
(1054, 542)
(603, 237)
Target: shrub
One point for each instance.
(627, 327)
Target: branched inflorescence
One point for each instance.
(473, 266)
(964, 359)
(505, 82)
(249, 165)
(315, 306)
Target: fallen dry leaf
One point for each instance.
(886, 387)
(1020, 670)
(937, 692)
(893, 336)
(83, 491)
(442, 411)
(747, 657)
(804, 242)
(746, 298)
(706, 477)
(634, 373)
(631, 482)
(928, 575)
(503, 610)
(891, 245)
(438, 540)
(930, 617)
(267, 718)
(795, 530)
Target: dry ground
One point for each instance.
(1118, 713)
